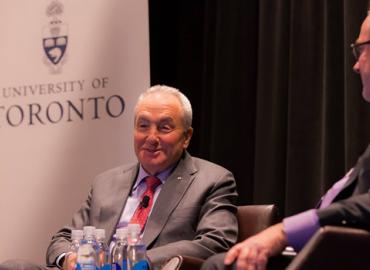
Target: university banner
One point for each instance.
(70, 74)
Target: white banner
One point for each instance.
(70, 74)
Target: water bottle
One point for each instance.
(87, 258)
(102, 250)
(119, 251)
(136, 251)
(111, 247)
(76, 239)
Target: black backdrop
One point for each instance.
(274, 96)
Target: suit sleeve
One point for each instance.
(216, 230)
(60, 242)
(352, 212)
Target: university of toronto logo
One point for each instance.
(55, 38)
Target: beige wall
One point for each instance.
(48, 154)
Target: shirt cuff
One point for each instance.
(300, 228)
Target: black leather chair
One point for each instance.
(334, 247)
(251, 220)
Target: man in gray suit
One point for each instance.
(193, 211)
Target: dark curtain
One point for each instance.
(274, 96)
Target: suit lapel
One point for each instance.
(363, 184)
(171, 194)
(118, 199)
(357, 182)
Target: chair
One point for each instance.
(255, 218)
(334, 247)
(251, 220)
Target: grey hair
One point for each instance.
(167, 90)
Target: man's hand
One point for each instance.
(253, 253)
(70, 262)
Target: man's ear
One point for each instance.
(187, 134)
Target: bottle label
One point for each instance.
(141, 265)
(115, 266)
(124, 264)
(86, 266)
(105, 267)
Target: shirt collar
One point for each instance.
(162, 176)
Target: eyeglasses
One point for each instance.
(358, 48)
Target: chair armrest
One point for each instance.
(334, 247)
(183, 263)
(251, 220)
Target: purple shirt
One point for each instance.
(301, 227)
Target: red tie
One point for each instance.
(143, 209)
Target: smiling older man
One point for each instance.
(190, 200)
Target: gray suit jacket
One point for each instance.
(194, 213)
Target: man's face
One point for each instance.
(159, 135)
(362, 65)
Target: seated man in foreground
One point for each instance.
(346, 203)
(192, 207)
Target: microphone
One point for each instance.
(145, 201)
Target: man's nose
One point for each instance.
(152, 134)
(356, 67)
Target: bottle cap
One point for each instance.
(77, 234)
(89, 231)
(134, 229)
(121, 233)
(99, 233)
